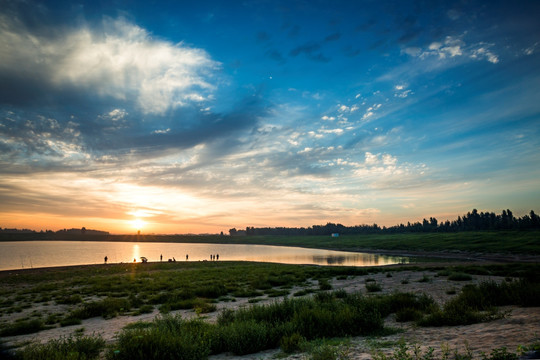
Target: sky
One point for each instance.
(201, 116)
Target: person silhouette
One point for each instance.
(106, 258)
(161, 257)
(187, 256)
(217, 256)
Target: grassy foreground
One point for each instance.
(305, 316)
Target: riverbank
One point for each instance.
(56, 294)
(489, 245)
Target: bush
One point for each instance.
(107, 308)
(70, 300)
(212, 291)
(500, 354)
(408, 314)
(247, 337)
(77, 348)
(459, 276)
(373, 287)
(329, 352)
(69, 320)
(324, 285)
(167, 338)
(292, 343)
(23, 327)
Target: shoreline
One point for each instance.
(444, 258)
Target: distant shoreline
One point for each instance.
(501, 246)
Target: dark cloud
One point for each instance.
(263, 36)
(311, 51)
(275, 55)
(332, 37)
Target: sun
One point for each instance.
(138, 224)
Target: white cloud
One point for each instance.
(123, 62)
(343, 108)
(453, 47)
(483, 53)
(371, 159)
(328, 118)
(367, 115)
(531, 49)
(161, 131)
(117, 114)
(331, 131)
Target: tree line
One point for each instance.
(472, 221)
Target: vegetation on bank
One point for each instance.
(116, 290)
(490, 242)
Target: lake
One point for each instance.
(35, 254)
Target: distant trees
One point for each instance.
(472, 221)
(63, 231)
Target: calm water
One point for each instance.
(34, 254)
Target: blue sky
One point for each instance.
(202, 116)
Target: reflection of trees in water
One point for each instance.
(358, 260)
(331, 260)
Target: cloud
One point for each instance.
(454, 47)
(118, 60)
(311, 51)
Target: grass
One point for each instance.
(130, 289)
(78, 347)
(23, 327)
(288, 323)
(404, 351)
(459, 276)
(477, 303)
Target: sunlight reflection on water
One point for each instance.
(27, 254)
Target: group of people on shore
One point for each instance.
(213, 257)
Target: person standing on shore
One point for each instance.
(187, 257)
(161, 257)
(106, 258)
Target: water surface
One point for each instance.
(34, 254)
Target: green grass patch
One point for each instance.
(459, 276)
(78, 347)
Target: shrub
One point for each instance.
(167, 338)
(70, 320)
(247, 337)
(23, 327)
(79, 347)
(303, 292)
(107, 308)
(408, 314)
(70, 300)
(459, 276)
(246, 292)
(212, 291)
(329, 352)
(292, 343)
(500, 354)
(373, 287)
(144, 309)
(324, 284)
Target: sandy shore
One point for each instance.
(521, 326)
